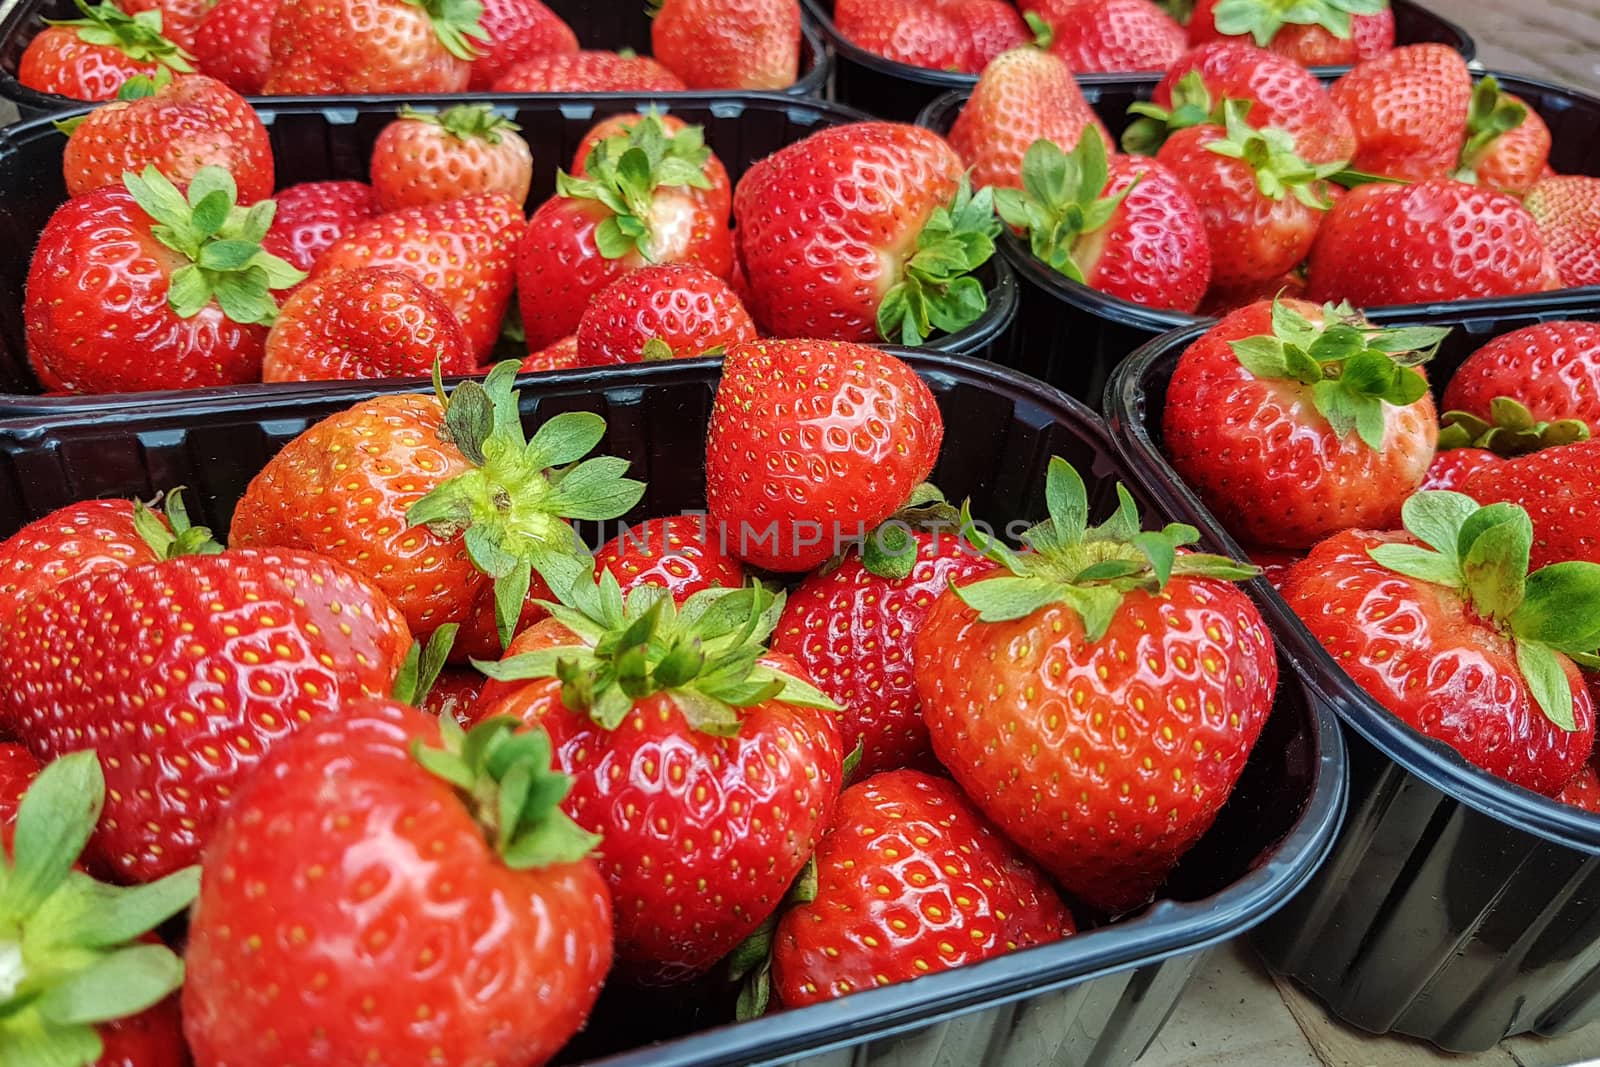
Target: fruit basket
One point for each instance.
(1456, 907)
(315, 141)
(899, 90)
(1096, 998)
(600, 26)
(1075, 336)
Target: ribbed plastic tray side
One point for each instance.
(1094, 999)
(1456, 908)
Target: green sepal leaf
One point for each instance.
(1542, 669)
(54, 821)
(1561, 608)
(1192, 105)
(116, 985)
(1490, 114)
(1262, 19)
(1062, 199)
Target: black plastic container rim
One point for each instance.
(1165, 930)
(1430, 760)
(33, 103)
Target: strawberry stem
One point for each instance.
(1491, 114)
(464, 122)
(176, 536)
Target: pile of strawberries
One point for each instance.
(309, 47)
(829, 735)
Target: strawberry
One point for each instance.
(1551, 369)
(444, 506)
(959, 893)
(1318, 33)
(686, 142)
(1223, 300)
(639, 202)
(187, 123)
(91, 986)
(1583, 791)
(1098, 697)
(851, 628)
(180, 19)
(1452, 467)
(1124, 226)
(370, 323)
(1293, 422)
(989, 28)
(914, 32)
(462, 249)
(1435, 240)
(1508, 143)
(1408, 108)
(117, 301)
(708, 766)
(373, 46)
(233, 43)
(515, 30)
(1109, 36)
(728, 44)
(663, 312)
(1557, 487)
(312, 216)
(587, 72)
(1275, 564)
(1457, 639)
(557, 355)
(903, 232)
(453, 693)
(678, 553)
(90, 58)
(812, 444)
(1567, 210)
(429, 158)
(1023, 96)
(385, 892)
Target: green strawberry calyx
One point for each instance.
(175, 536)
(136, 36)
(1262, 19)
(623, 173)
(1270, 153)
(221, 241)
(505, 772)
(1491, 114)
(1192, 105)
(890, 550)
(1062, 199)
(421, 667)
(1044, 34)
(465, 122)
(70, 954)
(1482, 553)
(1353, 368)
(456, 24)
(938, 291)
(1087, 568)
(1510, 430)
(703, 655)
(513, 508)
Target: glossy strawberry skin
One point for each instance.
(701, 834)
(561, 354)
(252, 646)
(517, 30)
(1154, 251)
(1419, 651)
(1275, 563)
(415, 163)
(454, 693)
(1021, 97)
(1559, 487)
(312, 216)
(1310, 46)
(233, 43)
(58, 61)
(588, 72)
(1434, 240)
(96, 308)
(682, 554)
(359, 46)
(372, 323)
(1552, 368)
(351, 908)
(18, 769)
(1567, 210)
(813, 443)
(92, 535)
(1263, 458)
(729, 44)
(913, 32)
(852, 631)
(1129, 746)
(1110, 36)
(958, 893)
(1583, 791)
(1409, 111)
(1451, 468)
(692, 310)
(990, 28)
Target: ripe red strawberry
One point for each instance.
(312, 216)
(1552, 369)
(1109, 36)
(1127, 698)
(376, 894)
(1567, 210)
(233, 43)
(728, 44)
(1452, 467)
(1275, 564)
(989, 28)
(1124, 226)
(1021, 97)
(664, 312)
(370, 323)
(686, 142)
(1473, 655)
(577, 242)
(90, 58)
(1409, 110)
(558, 355)
(393, 479)
(851, 628)
(1559, 488)
(18, 769)
(429, 158)
(1322, 33)
(795, 464)
(116, 301)
(1435, 240)
(1583, 791)
(682, 554)
(905, 231)
(1293, 422)
(959, 893)
(588, 72)
(913, 32)
(515, 30)
(1508, 143)
(180, 19)
(709, 780)
(372, 46)
(462, 249)
(186, 124)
